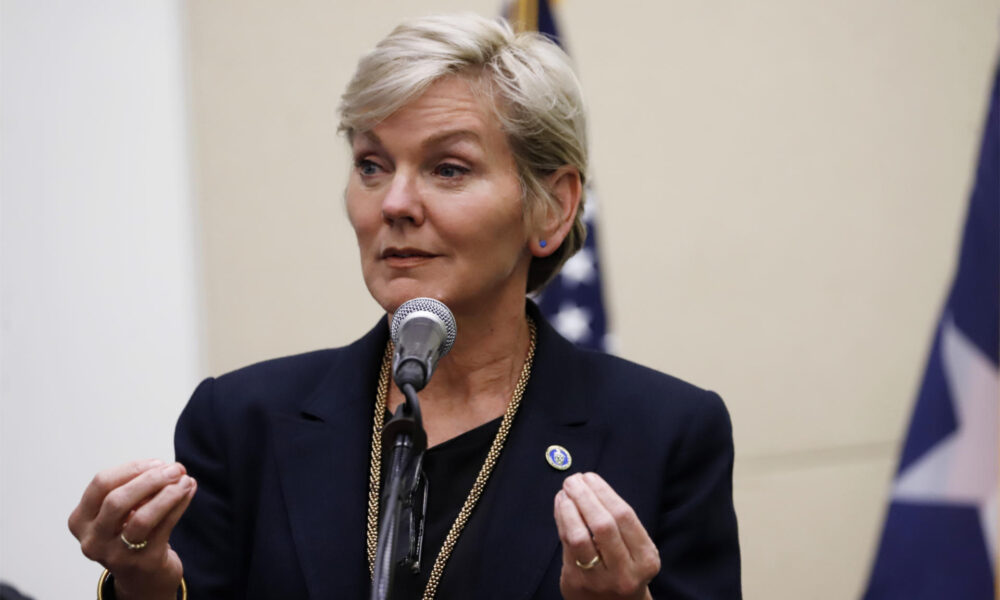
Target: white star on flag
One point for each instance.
(962, 468)
(572, 322)
(590, 206)
(579, 268)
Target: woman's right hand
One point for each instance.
(140, 501)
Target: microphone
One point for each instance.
(423, 330)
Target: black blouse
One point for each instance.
(450, 469)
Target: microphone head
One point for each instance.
(426, 305)
(425, 308)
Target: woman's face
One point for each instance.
(435, 202)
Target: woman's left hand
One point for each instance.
(599, 529)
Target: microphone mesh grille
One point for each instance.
(432, 306)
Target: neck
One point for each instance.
(474, 382)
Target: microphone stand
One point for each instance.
(405, 432)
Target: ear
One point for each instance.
(554, 222)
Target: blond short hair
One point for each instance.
(536, 97)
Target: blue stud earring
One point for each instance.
(542, 243)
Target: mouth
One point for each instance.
(406, 256)
(406, 253)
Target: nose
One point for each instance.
(402, 202)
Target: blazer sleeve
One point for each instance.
(696, 533)
(204, 537)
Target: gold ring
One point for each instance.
(133, 547)
(589, 564)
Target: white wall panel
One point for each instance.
(100, 303)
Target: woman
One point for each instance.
(550, 470)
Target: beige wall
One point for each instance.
(782, 188)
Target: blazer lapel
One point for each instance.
(322, 461)
(520, 523)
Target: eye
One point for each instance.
(450, 171)
(366, 167)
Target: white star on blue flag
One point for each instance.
(940, 534)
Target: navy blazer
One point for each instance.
(281, 449)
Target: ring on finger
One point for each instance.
(136, 546)
(590, 564)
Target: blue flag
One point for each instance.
(940, 535)
(573, 301)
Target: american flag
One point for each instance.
(940, 535)
(573, 301)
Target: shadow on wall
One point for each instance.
(7, 592)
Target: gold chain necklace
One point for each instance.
(375, 466)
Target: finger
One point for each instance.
(576, 541)
(107, 480)
(599, 521)
(633, 534)
(163, 530)
(156, 518)
(557, 513)
(119, 502)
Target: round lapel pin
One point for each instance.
(558, 457)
